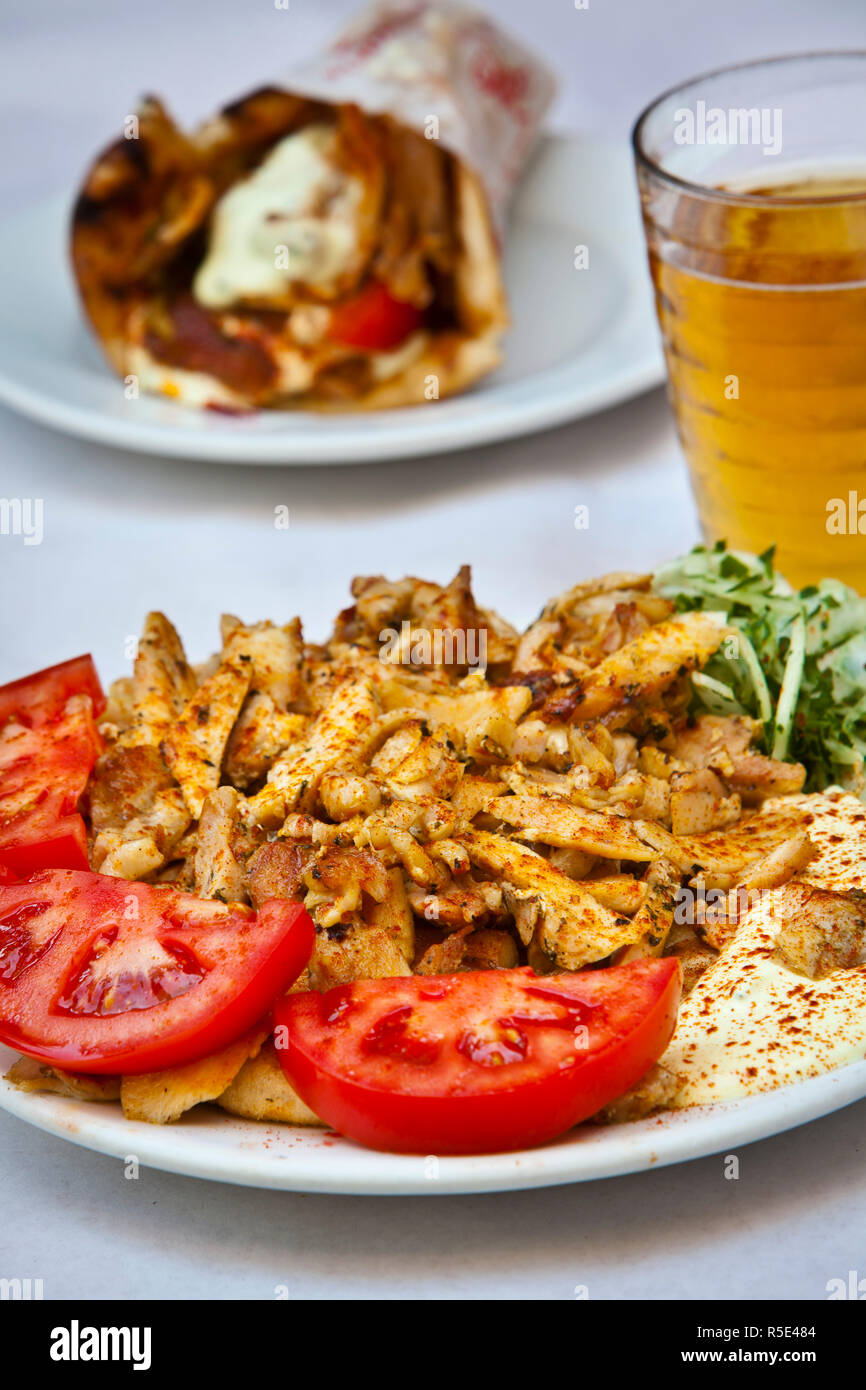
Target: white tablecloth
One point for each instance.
(127, 532)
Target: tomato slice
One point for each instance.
(373, 319)
(48, 745)
(479, 1062)
(43, 773)
(101, 974)
(37, 699)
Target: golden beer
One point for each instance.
(760, 291)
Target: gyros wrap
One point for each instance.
(331, 244)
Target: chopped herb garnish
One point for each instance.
(796, 660)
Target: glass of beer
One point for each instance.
(753, 191)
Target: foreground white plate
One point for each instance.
(582, 339)
(210, 1144)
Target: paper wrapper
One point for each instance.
(446, 69)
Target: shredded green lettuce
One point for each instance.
(795, 660)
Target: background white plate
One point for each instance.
(207, 1143)
(581, 340)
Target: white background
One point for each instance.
(125, 533)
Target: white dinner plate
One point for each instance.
(582, 339)
(207, 1143)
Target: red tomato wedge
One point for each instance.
(373, 319)
(43, 773)
(36, 699)
(48, 745)
(475, 1063)
(101, 974)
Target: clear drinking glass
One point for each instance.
(753, 189)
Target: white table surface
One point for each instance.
(126, 532)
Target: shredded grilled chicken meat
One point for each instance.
(435, 813)
(548, 803)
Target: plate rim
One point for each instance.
(557, 398)
(670, 1138)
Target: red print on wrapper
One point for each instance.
(356, 48)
